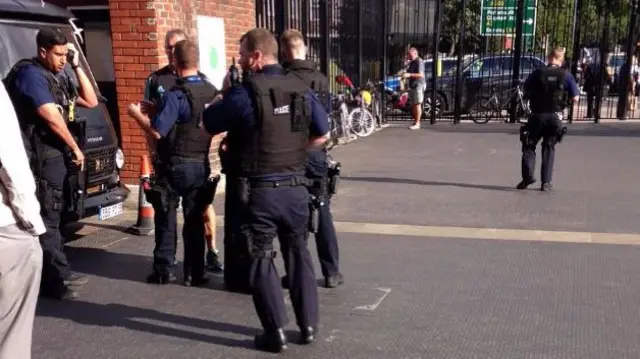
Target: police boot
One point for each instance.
(334, 280)
(272, 341)
(196, 281)
(526, 183)
(546, 187)
(307, 335)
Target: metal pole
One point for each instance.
(459, 80)
(625, 73)
(359, 4)
(434, 67)
(517, 56)
(326, 31)
(604, 46)
(385, 61)
(577, 13)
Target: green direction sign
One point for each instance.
(498, 18)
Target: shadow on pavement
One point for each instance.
(426, 183)
(103, 263)
(117, 315)
(621, 129)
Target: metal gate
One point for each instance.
(476, 52)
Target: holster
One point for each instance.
(524, 135)
(561, 133)
(209, 191)
(157, 193)
(76, 184)
(315, 203)
(334, 178)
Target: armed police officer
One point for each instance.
(317, 170)
(547, 89)
(157, 84)
(271, 119)
(183, 147)
(45, 108)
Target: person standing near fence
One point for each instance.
(547, 89)
(20, 251)
(317, 170)
(417, 86)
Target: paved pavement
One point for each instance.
(443, 259)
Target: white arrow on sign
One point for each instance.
(529, 21)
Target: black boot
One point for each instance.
(307, 335)
(272, 341)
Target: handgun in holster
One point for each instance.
(315, 203)
(156, 193)
(561, 133)
(524, 135)
(334, 177)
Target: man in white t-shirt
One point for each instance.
(20, 251)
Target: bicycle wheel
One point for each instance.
(362, 122)
(487, 110)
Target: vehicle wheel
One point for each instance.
(487, 110)
(362, 122)
(427, 106)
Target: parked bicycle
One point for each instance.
(492, 108)
(339, 122)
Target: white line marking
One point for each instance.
(114, 242)
(374, 306)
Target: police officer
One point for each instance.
(183, 146)
(547, 90)
(157, 84)
(294, 51)
(45, 107)
(271, 119)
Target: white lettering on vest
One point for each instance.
(282, 110)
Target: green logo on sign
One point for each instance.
(213, 58)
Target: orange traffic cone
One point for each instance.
(145, 225)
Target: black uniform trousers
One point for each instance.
(185, 178)
(281, 212)
(545, 126)
(237, 259)
(326, 238)
(55, 269)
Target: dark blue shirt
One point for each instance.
(173, 108)
(32, 86)
(235, 111)
(570, 85)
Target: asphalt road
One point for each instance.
(442, 259)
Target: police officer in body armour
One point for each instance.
(45, 109)
(546, 89)
(271, 120)
(157, 84)
(294, 50)
(183, 146)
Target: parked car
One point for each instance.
(479, 75)
(20, 21)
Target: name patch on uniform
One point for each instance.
(282, 110)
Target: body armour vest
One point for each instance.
(278, 140)
(163, 80)
(189, 139)
(315, 79)
(548, 94)
(38, 138)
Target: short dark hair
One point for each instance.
(173, 33)
(186, 54)
(261, 39)
(48, 38)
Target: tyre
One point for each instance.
(487, 110)
(362, 122)
(427, 106)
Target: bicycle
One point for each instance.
(493, 106)
(339, 123)
(362, 120)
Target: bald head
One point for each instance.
(292, 45)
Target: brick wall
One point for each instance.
(138, 28)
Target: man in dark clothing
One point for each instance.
(294, 51)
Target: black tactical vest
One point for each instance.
(548, 95)
(278, 141)
(164, 80)
(189, 139)
(315, 79)
(39, 140)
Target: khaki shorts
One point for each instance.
(416, 95)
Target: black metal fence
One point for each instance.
(475, 51)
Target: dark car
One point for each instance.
(104, 194)
(479, 76)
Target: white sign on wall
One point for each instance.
(212, 48)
